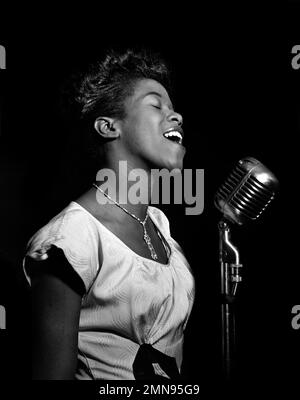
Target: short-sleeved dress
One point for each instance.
(129, 300)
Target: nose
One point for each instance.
(175, 117)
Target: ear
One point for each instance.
(107, 128)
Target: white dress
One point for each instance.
(129, 300)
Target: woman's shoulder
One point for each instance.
(73, 231)
(73, 214)
(72, 224)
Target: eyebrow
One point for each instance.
(153, 93)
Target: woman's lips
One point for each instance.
(175, 135)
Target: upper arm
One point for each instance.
(56, 301)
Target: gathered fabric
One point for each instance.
(130, 300)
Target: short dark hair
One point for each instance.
(107, 84)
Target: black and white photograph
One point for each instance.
(149, 222)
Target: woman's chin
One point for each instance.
(169, 160)
(175, 162)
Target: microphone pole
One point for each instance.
(230, 278)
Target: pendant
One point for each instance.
(149, 244)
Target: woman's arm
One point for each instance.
(56, 300)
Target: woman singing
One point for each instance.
(111, 289)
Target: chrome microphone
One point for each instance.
(247, 191)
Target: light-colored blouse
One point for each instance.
(129, 300)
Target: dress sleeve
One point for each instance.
(71, 233)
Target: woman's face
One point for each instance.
(150, 120)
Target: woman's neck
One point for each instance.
(125, 184)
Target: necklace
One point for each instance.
(146, 237)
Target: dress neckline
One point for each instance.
(168, 242)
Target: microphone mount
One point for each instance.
(230, 263)
(229, 259)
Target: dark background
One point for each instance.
(238, 94)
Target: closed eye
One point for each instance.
(158, 107)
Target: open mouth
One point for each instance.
(174, 136)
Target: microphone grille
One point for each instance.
(247, 191)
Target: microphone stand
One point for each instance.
(230, 278)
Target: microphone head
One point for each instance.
(247, 191)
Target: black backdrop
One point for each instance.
(238, 94)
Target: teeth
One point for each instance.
(174, 134)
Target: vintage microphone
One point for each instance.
(242, 198)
